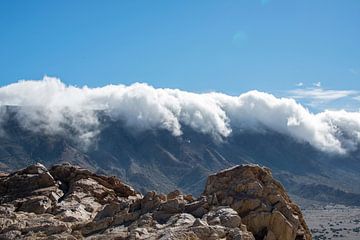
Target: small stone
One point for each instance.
(198, 223)
(173, 194)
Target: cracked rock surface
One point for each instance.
(68, 202)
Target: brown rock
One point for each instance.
(22, 183)
(260, 200)
(36, 204)
(173, 194)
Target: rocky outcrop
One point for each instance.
(260, 201)
(68, 202)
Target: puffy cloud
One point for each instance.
(257, 110)
(51, 106)
(346, 126)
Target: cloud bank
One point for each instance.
(48, 105)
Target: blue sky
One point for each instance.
(227, 46)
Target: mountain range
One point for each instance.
(155, 159)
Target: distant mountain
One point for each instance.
(158, 160)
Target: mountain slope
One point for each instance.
(157, 160)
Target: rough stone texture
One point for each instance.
(261, 202)
(68, 202)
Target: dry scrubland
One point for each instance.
(333, 222)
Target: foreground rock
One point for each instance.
(261, 201)
(68, 202)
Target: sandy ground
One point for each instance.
(333, 222)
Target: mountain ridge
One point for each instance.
(157, 160)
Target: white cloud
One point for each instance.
(320, 94)
(48, 104)
(300, 84)
(317, 84)
(346, 125)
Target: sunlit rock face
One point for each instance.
(70, 202)
(261, 202)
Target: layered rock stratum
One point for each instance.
(69, 202)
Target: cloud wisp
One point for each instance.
(48, 104)
(317, 84)
(353, 71)
(320, 94)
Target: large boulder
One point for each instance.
(37, 202)
(260, 200)
(25, 182)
